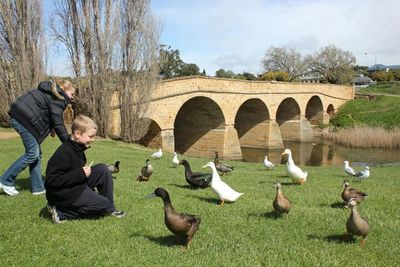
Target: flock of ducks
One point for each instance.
(184, 225)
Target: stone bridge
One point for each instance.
(199, 115)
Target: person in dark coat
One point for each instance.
(34, 116)
(73, 189)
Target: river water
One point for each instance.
(322, 153)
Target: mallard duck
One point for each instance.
(349, 170)
(363, 174)
(182, 225)
(222, 167)
(349, 193)
(145, 172)
(195, 179)
(175, 160)
(223, 191)
(114, 168)
(157, 155)
(281, 204)
(268, 164)
(294, 172)
(355, 224)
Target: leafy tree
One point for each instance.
(275, 76)
(382, 76)
(221, 73)
(170, 62)
(173, 66)
(246, 76)
(283, 59)
(333, 64)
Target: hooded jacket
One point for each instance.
(41, 110)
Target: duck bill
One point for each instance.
(205, 166)
(150, 196)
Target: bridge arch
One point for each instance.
(252, 123)
(153, 137)
(314, 110)
(288, 119)
(199, 127)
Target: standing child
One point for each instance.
(70, 183)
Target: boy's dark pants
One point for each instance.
(92, 204)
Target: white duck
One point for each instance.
(363, 174)
(223, 191)
(295, 173)
(175, 160)
(268, 164)
(349, 170)
(158, 154)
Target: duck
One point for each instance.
(145, 172)
(175, 160)
(294, 172)
(281, 204)
(195, 179)
(268, 164)
(349, 170)
(158, 154)
(222, 167)
(220, 188)
(182, 225)
(355, 224)
(349, 193)
(114, 168)
(364, 174)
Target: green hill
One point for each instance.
(379, 111)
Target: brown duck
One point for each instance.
(349, 193)
(281, 204)
(145, 172)
(221, 167)
(355, 224)
(182, 225)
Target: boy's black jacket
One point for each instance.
(65, 178)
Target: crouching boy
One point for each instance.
(73, 189)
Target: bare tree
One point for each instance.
(283, 59)
(139, 64)
(333, 64)
(22, 50)
(89, 31)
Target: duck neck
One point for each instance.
(167, 204)
(278, 191)
(215, 175)
(187, 168)
(354, 212)
(290, 159)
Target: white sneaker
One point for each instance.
(39, 192)
(10, 190)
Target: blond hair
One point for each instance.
(83, 123)
(64, 85)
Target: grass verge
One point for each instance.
(245, 233)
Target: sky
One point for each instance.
(235, 34)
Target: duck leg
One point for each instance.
(221, 203)
(362, 242)
(346, 237)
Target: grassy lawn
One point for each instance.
(386, 88)
(381, 112)
(245, 233)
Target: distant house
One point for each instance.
(378, 67)
(362, 81)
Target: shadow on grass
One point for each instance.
(168, 241)
(208, 199)
(337, 205)
(24, 183)
(336, 238)
(268, 215)
(288, 183)
(186, 186)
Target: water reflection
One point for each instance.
(324, 153)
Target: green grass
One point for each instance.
(245, 233)
(381, 112)
(386, 88)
